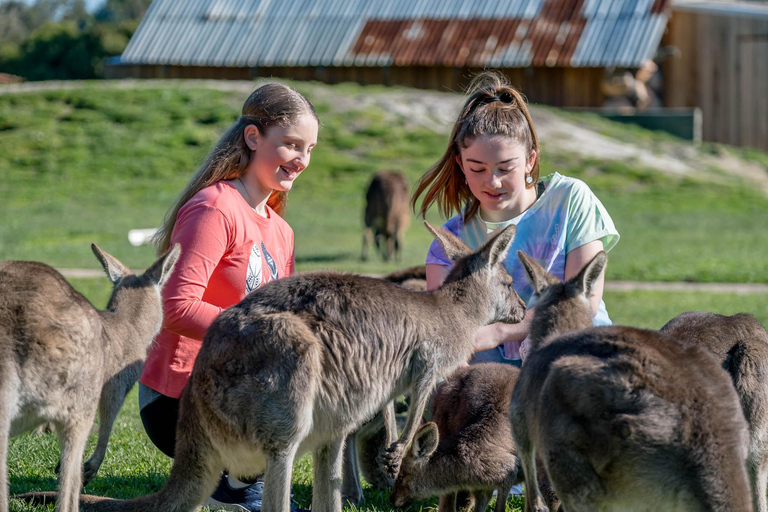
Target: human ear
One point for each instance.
(251, 134)
(458, 162)
(531, 160)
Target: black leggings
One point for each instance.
(159, 419)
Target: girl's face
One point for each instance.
(495, 167)
(282, 153)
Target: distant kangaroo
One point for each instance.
(740, 343)
(317, 354)
(58, 354)
(623, 418)
(386, 214)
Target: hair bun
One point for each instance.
(507, 97)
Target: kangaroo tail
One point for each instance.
(87, 502)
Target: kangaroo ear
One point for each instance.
(586, 278)
(497, 247)
(114, 269)
(538, 277)
(453, 247)
(425, 441)
(161, 270)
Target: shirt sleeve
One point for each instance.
(203, 233)
(436, 255)
(588, 220)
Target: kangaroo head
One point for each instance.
(484, 272)
(126, 284)
(410, 483)
(562, 306)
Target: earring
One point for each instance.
(465, 181)
(528, 178)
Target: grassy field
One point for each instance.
(134, 467)
(89, 164)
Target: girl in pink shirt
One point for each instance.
(233, 239)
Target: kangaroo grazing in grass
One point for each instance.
(623, 418)
(58, 354)
(468, 446)
(386, 214)
(740, 343)
(317, 355)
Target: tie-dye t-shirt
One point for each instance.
(566, 215)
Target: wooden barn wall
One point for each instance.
(723, 68)
(567, 87)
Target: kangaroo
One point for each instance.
(386, 214)
(303, 361)
(740, 343)
(468, 446)
(58, 354)
(623, 418)
(364, 448)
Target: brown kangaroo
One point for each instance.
(58, 354)
(386, 214)
(740, 343)
(623, 418)
(468, 446)
(303, 361)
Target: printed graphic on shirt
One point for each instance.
(270, 263)
(253, 274)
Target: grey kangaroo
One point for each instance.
(318, 354)
(58, 355)
(386, 214)
(740, 343)
(623, 418)
(364, 448)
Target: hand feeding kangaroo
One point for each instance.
(317, 355)
(740, 343)
(623, 418)
(58, 354)
(387, 214)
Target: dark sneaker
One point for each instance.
(246, 499)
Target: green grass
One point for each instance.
(134, 467)
(90, 164)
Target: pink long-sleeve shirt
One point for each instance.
(227, 250)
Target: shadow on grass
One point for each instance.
(325, 258)
(109, 486)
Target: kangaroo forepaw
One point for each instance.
(390, 460)
(89, 472)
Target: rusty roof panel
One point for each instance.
(498, 33)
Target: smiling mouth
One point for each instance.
(291, 175)
(495, 196)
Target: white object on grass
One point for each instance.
(139, 237)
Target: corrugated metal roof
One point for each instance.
(453, 33)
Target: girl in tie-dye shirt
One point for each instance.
(489, 175)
